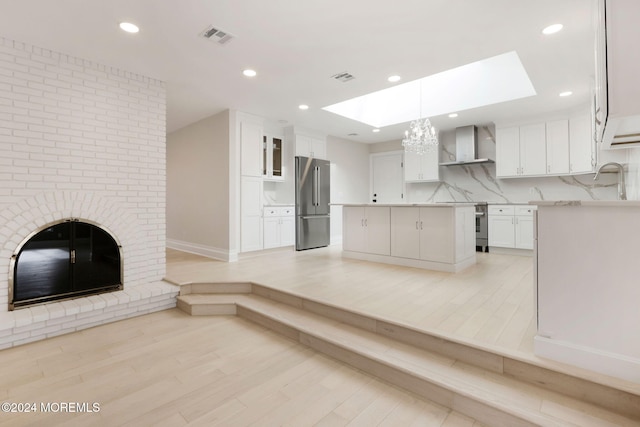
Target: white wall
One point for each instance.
(198, 183)
(349, 178)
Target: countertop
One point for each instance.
(590, 203)
(279, 205)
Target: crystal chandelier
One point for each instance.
(421, 137)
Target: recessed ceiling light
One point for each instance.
(552, 29)
(249, 73)
(394, 78)
(453, 115)
(129, 27)
(566, 93)
(303, 106)
(375, 130)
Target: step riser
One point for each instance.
(609, 398)
(216, 288)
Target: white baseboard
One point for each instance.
(510, 251)
(206, 251)
(408, 262)
(612, 364)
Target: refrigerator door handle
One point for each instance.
(317, 185)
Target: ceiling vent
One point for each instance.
(216, 34)
(343, 77)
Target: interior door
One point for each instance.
(387, 184)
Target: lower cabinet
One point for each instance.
(437, 237)
(511, 226)
(278, 226)
(423, 233)
(366, 229)
(251, 214)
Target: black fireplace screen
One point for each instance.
(65, 260)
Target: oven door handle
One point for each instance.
(479, 213)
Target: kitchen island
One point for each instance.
(435, 236)
(587, 285)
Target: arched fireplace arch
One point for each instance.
(64, 259)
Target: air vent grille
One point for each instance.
(216, 34)
(343, 77)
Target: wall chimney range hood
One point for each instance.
(467, 147)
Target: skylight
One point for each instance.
(490, 81)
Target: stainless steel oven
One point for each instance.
(482, 227)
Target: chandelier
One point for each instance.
(421, 137)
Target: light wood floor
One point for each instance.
(172, 369)
(490, 303)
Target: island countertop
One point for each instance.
(407, 205)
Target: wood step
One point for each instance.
(482, 393)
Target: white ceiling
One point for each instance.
(297, 45)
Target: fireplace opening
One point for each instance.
(64, 260)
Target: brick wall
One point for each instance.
(81, 140)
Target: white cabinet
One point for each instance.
(510, 226)
(423, 233)
(251, 134)
(366, 229)
(310, 146)
(251, 214)
(508, 151)
(306, 142)
(557, 142)
(421, 167)
(521, 150)
(437, 237)
(581, 144)
(557, 147)
(524, 227)
(278, 226)
(533, 150)
(273, 155)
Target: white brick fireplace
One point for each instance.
(80, 140)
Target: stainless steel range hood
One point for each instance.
(467, 147)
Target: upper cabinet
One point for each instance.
(582, 154)
(617, 110)
(272, 158)
(557, 142)
(307, 143)
(251, 133)
(421, 167)
(521, 151)
(557, 147)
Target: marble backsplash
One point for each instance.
(478, 182)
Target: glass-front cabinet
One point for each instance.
(272, 156)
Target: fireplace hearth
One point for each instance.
(63, 260)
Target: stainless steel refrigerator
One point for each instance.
(312, 203)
